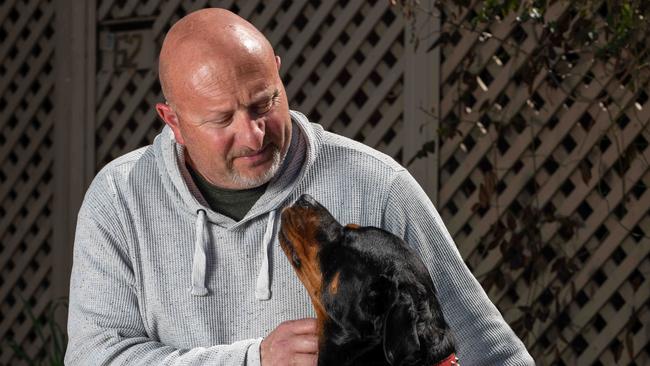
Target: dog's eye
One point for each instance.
(372, 294)
(371, 302)
(296, 260)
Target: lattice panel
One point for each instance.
(559, 154)
(345, 70)
(341, 64)
(26, 160)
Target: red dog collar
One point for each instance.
(452, 360)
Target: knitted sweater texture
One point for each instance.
(159, 278)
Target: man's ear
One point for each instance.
(170, 118)
(400, 336)
(278, 61)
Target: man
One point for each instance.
(176, 259)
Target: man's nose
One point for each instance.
(251, 131)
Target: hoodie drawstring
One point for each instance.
(199, 260)
(263, 286)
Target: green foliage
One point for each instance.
(611, 33)
(495, 9)
(54, 342)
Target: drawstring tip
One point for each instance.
(198, 291)
(263, 284)
(262, 295)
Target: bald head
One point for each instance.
(208, 43)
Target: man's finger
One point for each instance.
(301, 359)
(305, 344)
(302, 326)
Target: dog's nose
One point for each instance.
(306, 201)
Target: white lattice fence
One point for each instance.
(347, 66)
(560, 154)
(341, 66)
(26, 90)
(348, 71)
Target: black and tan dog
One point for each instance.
(374, 300)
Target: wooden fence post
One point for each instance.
(422, 96)
(73, 129)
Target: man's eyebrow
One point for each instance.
(265, 95)
(216, 114)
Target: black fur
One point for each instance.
(384, 310)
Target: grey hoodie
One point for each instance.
(159, 278)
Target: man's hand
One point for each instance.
(293, 342)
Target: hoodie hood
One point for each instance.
(306, 139)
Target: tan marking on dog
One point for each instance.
(352, 226)
(334, 285)
(306, 248)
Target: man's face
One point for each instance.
(234, 122)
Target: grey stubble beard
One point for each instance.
(252, 182)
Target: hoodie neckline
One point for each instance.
(170, 159)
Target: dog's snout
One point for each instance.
(306, 201)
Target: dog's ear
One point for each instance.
(374, 294)
(400, 337)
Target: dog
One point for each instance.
(374, 300)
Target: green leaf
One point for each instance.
(483, 197)
(443, 39)
(629, 344)
(54, 345)
(618, 351)
(490, 180)
(20, 353)
(36, 323)
(512, 223)
(428, 148)
(585, 171)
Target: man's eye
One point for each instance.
(223, 122)
(264, 107)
